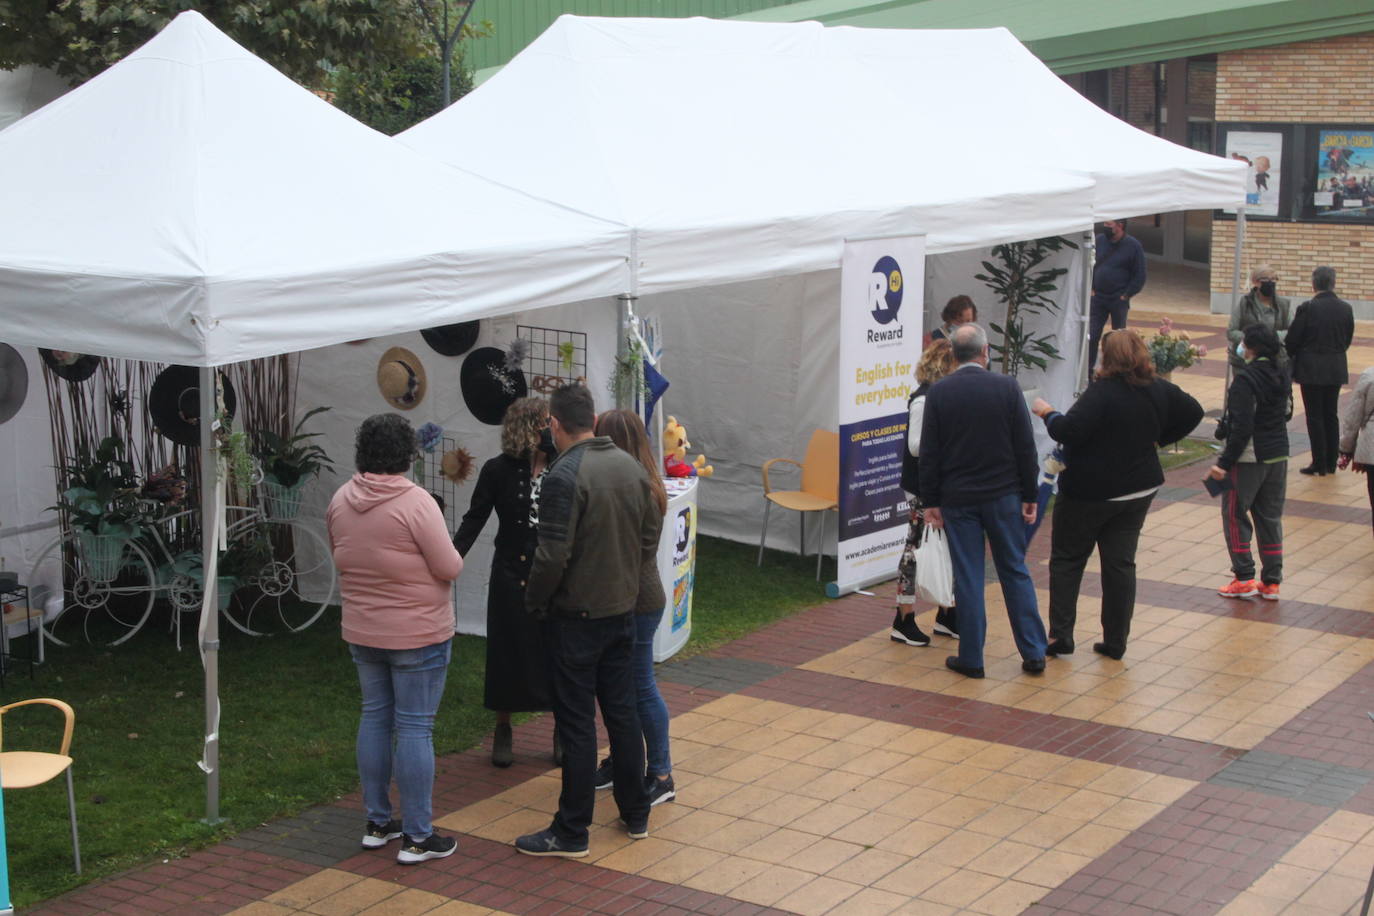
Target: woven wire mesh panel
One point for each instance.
(555, 358)
(428, 473)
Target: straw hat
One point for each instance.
(14, 382)
(74, 367)
(452, 339)
(174, 403)
(401, 378)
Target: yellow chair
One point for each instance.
(25, 769)
(820, 489)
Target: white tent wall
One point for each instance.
(27, 485)
(344, 377)
(753, 369)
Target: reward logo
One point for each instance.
(885, 290)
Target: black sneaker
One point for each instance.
(605, 775)
(946, 622)
(904, 630)
(414, 851)
(375, 836)
(637, 831)
(547, 843)
(661, 790)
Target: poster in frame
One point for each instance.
(1267, 151)
(1340, 170)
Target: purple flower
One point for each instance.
(429, 436)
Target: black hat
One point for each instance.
(14, 382)
(452, 339)
(74, 367)
(488, 386)
(174, 403)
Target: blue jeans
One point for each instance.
(653, 712)
(1000, 521)
(401, 692)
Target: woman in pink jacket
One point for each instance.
(396, 566)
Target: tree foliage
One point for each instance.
(1024, 287)
(391, 99)
(302, 38)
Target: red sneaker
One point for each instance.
(1241, 588)
(1269, 591)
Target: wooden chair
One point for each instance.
(25, 769)
(820, 489)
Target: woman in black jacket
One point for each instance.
(517, 678)
(1255, 459)
(1111, 437)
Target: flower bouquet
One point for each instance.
(1172, 349)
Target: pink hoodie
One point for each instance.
(396, 562)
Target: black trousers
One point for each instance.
(593, 662)
(1323, 426)
(1079, 525)
(1099, 310)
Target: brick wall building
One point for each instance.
(1324, 81)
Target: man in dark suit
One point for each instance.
(979, 482)
(1118, 274)
(1321, 332)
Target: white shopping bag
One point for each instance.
(934, 571)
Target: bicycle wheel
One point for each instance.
(99, 610)
(292, 588)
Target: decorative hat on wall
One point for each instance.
(401, 378)
(174, 403)
(489, 386)
(14, 382)
(74, 367)
(452, 339)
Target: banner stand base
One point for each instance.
(836, 589)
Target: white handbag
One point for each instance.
(934, 571)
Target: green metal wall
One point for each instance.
(518, 22)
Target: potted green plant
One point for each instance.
(288, 462)
(1024, 286)
(103, 508)
(241, 562)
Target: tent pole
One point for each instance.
(1089, 259)
(1235, 265)
(209, 646)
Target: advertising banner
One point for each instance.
(1262, 151)
(1344, 187)
(881, 292)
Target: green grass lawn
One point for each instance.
(287, 729)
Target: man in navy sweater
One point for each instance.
(979, 480)
(1118, 274)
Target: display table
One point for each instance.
(677, 562)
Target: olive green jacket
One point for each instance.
(1249, 310)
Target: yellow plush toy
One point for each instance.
(675, 447)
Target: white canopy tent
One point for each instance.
(193, 205)
(743, 154)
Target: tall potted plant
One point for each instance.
(1024, 287)
(288, 462)
(103, 508)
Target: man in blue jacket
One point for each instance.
(1118, 274)
(979, 481)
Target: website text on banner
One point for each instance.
(881, 290)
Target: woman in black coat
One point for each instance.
(517, 678)
(1111, 437)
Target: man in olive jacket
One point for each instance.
(594, 567)
(1322, 331)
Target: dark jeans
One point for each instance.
(593, 662)
(1113, 528)
(1100, 308)
(1323, 426)
(1256, 495)
(1000, 522)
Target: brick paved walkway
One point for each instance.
(1225, 765)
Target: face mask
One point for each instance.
(1267, 288)
(546, 442)
(1240, 349)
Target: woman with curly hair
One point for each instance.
(936, 362)
(518, 670)
(627, 431)
(396, 571)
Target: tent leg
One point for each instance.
(624, 315)
(1236, 259)
(209, 486)
(1089, 257)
